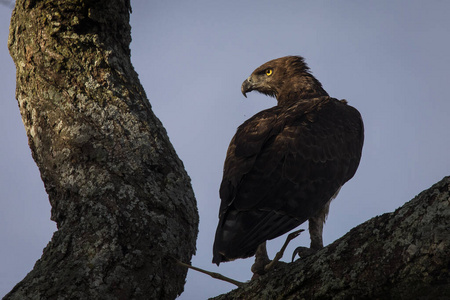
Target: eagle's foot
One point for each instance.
(280, 253)
(303, 252)
(263, 264)
(257, 272)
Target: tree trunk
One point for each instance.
(120, 196)
(399, 255)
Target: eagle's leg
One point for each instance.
(316, 229)
(315, 232)
(261, 260)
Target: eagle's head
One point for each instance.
(286, 78)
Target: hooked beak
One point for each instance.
(247, 86)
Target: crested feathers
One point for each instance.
(289, 79)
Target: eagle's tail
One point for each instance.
(238, 236)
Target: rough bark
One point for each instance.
(120, 196)
(399, 255)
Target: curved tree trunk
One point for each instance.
(120, 196)
(399, 255)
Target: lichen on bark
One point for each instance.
(400, 255)
(120, 196)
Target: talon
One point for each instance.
(303, 252)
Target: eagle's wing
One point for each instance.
(282, 166)
(244, 149)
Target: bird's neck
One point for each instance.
(307, 87)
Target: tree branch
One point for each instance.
(399, 255)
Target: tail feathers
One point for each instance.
(239, 233)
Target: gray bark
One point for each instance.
(120, 196)
(399, 255)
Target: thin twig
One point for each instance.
(212, 274)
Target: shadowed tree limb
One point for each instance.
(400, 255)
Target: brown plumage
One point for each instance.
(285, 164)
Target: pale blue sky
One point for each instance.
(389, 59)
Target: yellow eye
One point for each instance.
(269, 72)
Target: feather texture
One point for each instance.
(285, 163)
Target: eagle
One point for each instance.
(285, 164)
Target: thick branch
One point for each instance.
(120, 196)
(399, 255)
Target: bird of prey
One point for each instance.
(285, 164)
